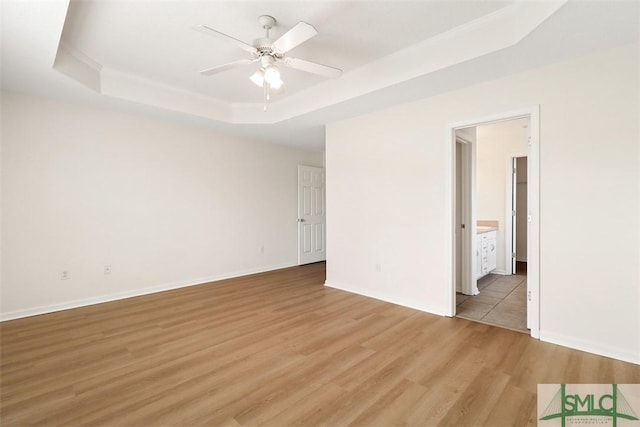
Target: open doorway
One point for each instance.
(492, 219)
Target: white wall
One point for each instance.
(164, 204)
(386, 201)
(495, 144)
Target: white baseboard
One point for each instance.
(500, 272)
(386, 298)
(618, 353)
(133, 293)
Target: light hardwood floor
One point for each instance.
(277, 349)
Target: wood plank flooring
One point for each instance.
(276, 349)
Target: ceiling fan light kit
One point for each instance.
(270, 53)
(271, 74)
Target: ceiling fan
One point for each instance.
(270, 53)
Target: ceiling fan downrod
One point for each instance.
(267, 22)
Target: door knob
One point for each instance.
(300, 219)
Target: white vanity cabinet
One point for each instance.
(486, 258)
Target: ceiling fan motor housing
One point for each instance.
(263, 45)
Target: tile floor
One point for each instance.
(501, 302)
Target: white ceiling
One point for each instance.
(144, 56)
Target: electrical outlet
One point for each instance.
(378, 267)
(65, 275)
(107, 269)
(262, 250)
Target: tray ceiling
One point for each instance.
(145, 56)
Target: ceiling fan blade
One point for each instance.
(312, 67)
(242, 45)
(225, 67)
(297, 35)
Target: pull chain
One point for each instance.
(265, 94)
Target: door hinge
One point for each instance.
(529, 140)
(513, 213)
(529, 295)
(513, 254)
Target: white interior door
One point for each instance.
(466, 262)
(311, 215)
(514, 212)
(460, 224)
(521, 210)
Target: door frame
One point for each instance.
(533, 207)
